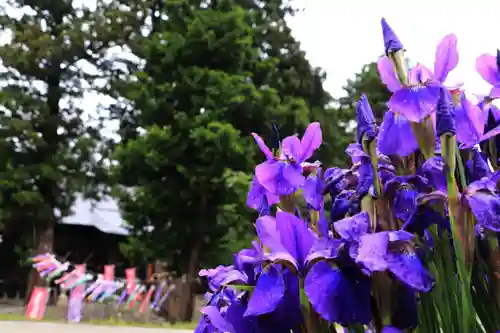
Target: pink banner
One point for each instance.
(75, 303)
(130, 279)
(38, 303)
(109, 272)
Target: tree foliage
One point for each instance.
(46, 145)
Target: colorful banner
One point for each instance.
(75, 303)
(130, 279)
(94, 287)
(146, 299)
(38, 303)
(109, 272)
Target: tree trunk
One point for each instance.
(188, 293)
(44, 240)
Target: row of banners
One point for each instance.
(86, 287)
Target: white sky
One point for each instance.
(342, 36)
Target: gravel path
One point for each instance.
(41, 327)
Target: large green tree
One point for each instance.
(211, 73)
(47, 147)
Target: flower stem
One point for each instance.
(467, 315)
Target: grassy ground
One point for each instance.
(106, 322)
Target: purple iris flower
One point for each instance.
(363, 171)
(313, 190)
(386, 250)
(293, 245)
(419, 99)
(433, 170)
(227, 320)
(259, 198)
(404, 191)
(366, 120)
(477, 166)
(391, 41)
(484, 201)
(283, 175)
(471, 124)
(487, 67)
(248, 261)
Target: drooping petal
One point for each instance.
(295, 236)
(446, 57)
(235, 316)
(365, 119)
(469, 121)
(291, 148)
(495, 91)
(477, 167)
(433, 170)
(311, 141)
(404, 204)
(391, 41)
(338, 298)
(372, 251)
(408, 268)
(268, 293)
(343, 203)
(257, 194)
(396, 136)
(486, 208)
(356, 153)
(486, 66)
(263, 147)
(353, 227)
(387, 74)
(313, 190)
(214, 316)
(415, 103)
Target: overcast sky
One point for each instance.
(341, 36)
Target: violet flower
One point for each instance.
(259, 198)
(381, 251)
(283, 175)
(420, 98)
(391, 41)
(404, 191)
(471, 124)
(367, 126)
(487, 67)
(484, 201)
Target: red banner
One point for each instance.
(109, 272)
(38, 303)
(130, 279)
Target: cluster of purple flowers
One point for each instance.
(368, 253)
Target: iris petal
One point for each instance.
(268, 293)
